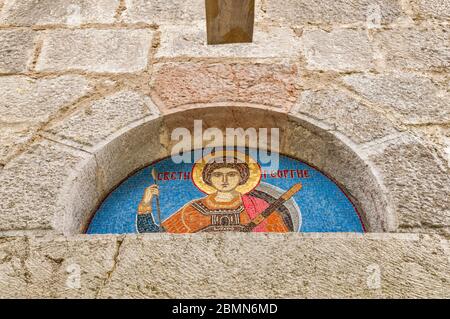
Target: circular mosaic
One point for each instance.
(226, 191)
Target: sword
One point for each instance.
(158, 207)
(273, 207)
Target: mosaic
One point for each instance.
(226, 191)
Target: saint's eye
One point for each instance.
(217, 174)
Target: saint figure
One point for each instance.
(228, 206)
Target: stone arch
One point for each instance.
(137, 145)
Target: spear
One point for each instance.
(158, 207)
(273, 207)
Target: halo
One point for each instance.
(253, 180)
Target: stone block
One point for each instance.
(338, 50)
(95, 122)
(99, 51)
(24, 99)
(164, 11)
(75, 267)
(306, 12)
(45, 12)
(204, 266)
(16, 50)
(438, 9)
(344, 114)
(416, 99)
(417, 182)
(190, 41)
(415, 48)
(288, 266)
(38, 192)
(177, 84)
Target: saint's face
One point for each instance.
(225, 179)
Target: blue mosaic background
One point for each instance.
(324, 207)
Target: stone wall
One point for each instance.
(226, 265)
(89, 90)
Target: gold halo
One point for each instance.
(253, 179)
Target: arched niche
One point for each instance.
(148, 141)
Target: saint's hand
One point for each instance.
(149, 193)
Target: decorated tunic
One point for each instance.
(209, 215)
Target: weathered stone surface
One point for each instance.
(439, 9)
(288, 266)
(304, 12)
(70, 267)
(138, 147)
(417, 49)
(439, 136)
(186, 83)
(12, 138)
(190, 41)
(338, 50)
(195, 266)
(16, 50)
(345, 114)
(13, 276)
(95, 122)
(447, 148)
(418, 183)
(36, 191)
(416, 99)
(103, 51)
(163, 11)
(72, 12)
(23, 99)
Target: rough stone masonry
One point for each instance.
(82, 83)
